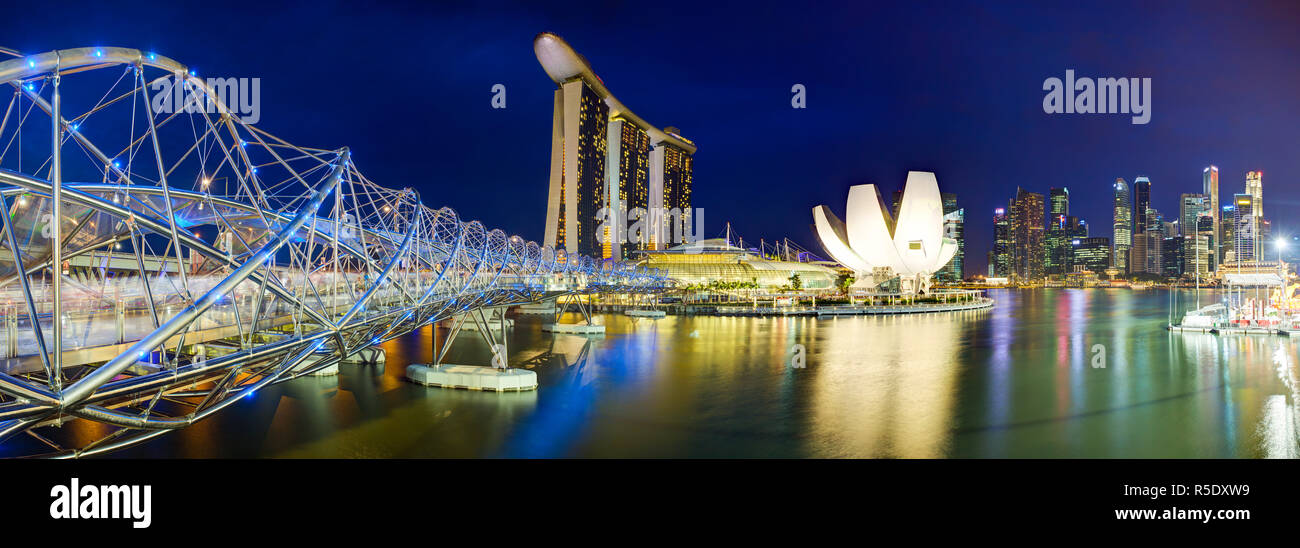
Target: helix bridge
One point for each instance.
(160, 258)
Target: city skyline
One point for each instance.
(732, 94)
(1149, 242)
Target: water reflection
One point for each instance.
(1014, 381)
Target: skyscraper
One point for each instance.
(1255, 188)
(1197, 255)
(1172, 256)
(628, 184)
(671, 179)
(604, 158)
(1191, 206)
(1091, 254)
(1001, 254)
(577, 182)
(1122, 229)
(1243, 227)
(1210, 188)
(954, 220)
(1142, 201)
(1027, 236)
(1058, 237)
(1227, 233)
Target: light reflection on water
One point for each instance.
(1014, 381)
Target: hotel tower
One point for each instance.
(609, 167)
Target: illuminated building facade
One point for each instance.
(1227, 232)
(715, 260)
(1141, 202)
(606, 160)
(628, 185)
(1171, 253)
(1190, 207)
(1198, 257)
(1058, 239)
(577, 184)
(954, 227)
(1091, 254)
(1255, 188)
(671, 179)
(1122, 235)
(1210, 188)
(1027, 236)
(880, 248)
(1243, 227)
(1000, 261)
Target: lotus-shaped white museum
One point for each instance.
(878, 247)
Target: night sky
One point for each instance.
(953, 88)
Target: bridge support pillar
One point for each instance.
(583, 327)
(498, 377)
(371, 355)
(11, 332)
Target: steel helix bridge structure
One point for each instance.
(161, 258)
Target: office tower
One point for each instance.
(1210, 188)
(1207, 229)
(1138, 255)
(1059, 199)
(1122, 228)
(1255, 188)
(1264, 249)
(1091, 254)
(990, 264)
(1057, 238)
(1001, 262)
(1227, 233)
(628, 185)
(1070, 229)
(1027, 236)
(1198, 257)
(1142, 201)
(1148, 245)
(1172, 256)
(1154, 220)
(954, 220)
(605, 157)
(1191, 206)
(1148, 252)
(1243, 227)
(896, 201)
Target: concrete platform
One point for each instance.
(472, 377)
(547, 307)
(574, 328)
(640, 313)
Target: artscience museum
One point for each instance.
(880, 248)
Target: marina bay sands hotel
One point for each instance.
(605, 158)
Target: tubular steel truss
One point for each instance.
(160, 258)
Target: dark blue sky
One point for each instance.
(953, 87)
